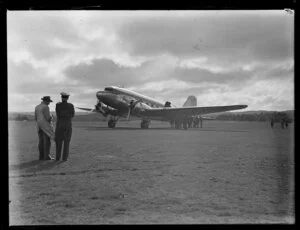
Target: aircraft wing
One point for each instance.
(89, 110)
(105, 111)
(170, 113)
(207, 118)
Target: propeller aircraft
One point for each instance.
(117, 102)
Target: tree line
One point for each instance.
(262, 116)
(259, 116)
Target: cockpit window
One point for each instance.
(168, 104)
(109, 89)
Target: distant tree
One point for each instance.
(260, 116)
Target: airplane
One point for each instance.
(119, 102)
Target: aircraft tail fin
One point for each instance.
(190, 101)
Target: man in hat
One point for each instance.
(63, 132)
(45, 130)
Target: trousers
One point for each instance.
(63, 133)
(44, 145)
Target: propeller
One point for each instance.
(99, 108)
(98, 105)
(131, 107)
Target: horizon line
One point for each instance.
(269, 110)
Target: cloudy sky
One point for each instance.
(221, 57)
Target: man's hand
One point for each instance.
(52, 117)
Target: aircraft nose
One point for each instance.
(100, 95)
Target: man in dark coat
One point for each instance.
(63, 132)
(272, 123)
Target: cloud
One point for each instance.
(219, 56)
(40, 34)
(282, 72)
(196, 75)
(104, 72)
(100, 72)
(23, 74)
(222, 37)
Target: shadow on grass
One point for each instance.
(36, 165)
(162, 128)
(122, 128)
(25, 165)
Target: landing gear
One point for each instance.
(177, 125)
(112, 122)
(145, 124)
(181, 124)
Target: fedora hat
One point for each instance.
(46, 98)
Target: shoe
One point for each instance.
(49, 158)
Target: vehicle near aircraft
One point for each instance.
(117, 102)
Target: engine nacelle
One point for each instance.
(98, 106)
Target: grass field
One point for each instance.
(226, 172)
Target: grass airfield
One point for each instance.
(225, 172)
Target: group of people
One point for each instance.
(195, 121)
(283, 122)
(63, 130)
(188, 122)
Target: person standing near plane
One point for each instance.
(190, 122)
(201, 121)
(282, 123)
(272, 123)
(64, 112)
(45, 130)
(197, 121)
(194, 122)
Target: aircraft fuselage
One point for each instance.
(116, 102)
(122, 99)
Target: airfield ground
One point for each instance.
(226, 172)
